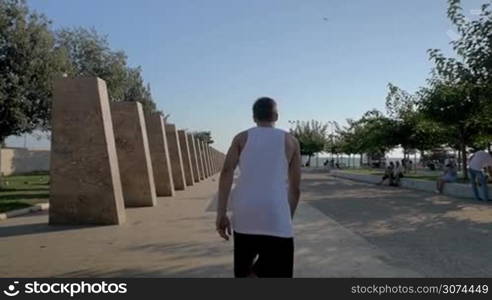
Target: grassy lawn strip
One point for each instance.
(21, 191)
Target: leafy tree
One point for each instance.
(136, 90)
(351, 139)
(460, 90)
(29, 63)
(90, 55)
(413, 130)
(346, 141)
(449, 106)
(378, 132)
(312, 137)
(205, 136)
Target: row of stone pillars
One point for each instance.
(108, 156)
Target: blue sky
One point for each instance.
(207, 61)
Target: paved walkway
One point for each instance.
(343, 229)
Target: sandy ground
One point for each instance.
(343, 229)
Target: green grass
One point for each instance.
(20, 191)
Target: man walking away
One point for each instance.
(478, 161)
(265, 197)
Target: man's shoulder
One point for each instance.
(291, 138)
(240, 138)
(241, 135)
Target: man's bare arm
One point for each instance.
(294, 177)
(225, 183)
(227, 176)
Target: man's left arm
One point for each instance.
(294, 177)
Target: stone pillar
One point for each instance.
(132, 148)
(214, 163)
(205, 159)
(199, 154)
(85, 184)
(175, 157)
(220, 160)
(209, 160)
(185, 154)
(193, 157)
(159, 154)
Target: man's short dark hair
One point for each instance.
(264, 109)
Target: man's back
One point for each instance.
(260, 203)
(265, 197)
(480, 160)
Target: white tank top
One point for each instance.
(259, 200)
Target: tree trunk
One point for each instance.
(464, 162)
(1, 175)
(361, 160)
(459, 159)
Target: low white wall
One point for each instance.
(20, 160)
(450, 189)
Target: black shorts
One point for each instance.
(274, 255)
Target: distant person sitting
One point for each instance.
(478, 161)
(388, 174)
(450, 174)
(397, 174)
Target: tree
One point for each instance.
(351, 139)
(29, 63)
(90, 54)
(136, 90)
(413, 130)
(378, 133)
(460, 91)
(448, 105)
(204, 136)
(312, 137)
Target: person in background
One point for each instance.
(388, 174)
(450, 174)
(325, 163)
(404, 165)
(397, 174)
(478, 161)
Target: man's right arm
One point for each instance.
(294, 175)
(225, 183)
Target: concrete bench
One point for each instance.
(450, 189)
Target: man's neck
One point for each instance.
(265, 124)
